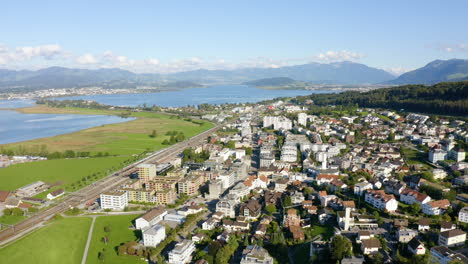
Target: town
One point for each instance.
(280, 184)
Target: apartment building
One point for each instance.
(114, 200)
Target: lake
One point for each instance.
(16, 127)
(218, 94)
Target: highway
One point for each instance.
(105, 184)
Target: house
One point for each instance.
(336, 185)
(409, 196)
(446, 226)
(400, 223)
(380, 200)
(326, 178)
(353, 260)
(251, 210)
(254, 254)
(452, 238)
(436, 207)
(444, 255)
(209, 224)
(12, 202)
(463, 215)
(218, 216)
(114, 200)
(55, 194)
(150, 218)
(234, 226)
(360, 187)
(405, 235)
(223, 236)
(192, 209)
(261, 230)
(424, 224)
(297, 197)
(198, 237)
(363, 235)
(395, 187)
(370, 246)
(154, 235)
(297, 233)
(292, 218)
(182, 252)
(416, 247)
(281, 185)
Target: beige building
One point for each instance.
(146, 172)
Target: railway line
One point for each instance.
(108, 183)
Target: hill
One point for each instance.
(276, 81)
(435, 72)
(444, 98)
(59, 77)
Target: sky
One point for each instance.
(172, 36)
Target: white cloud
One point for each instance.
(397, 71)
(457, 47)
(87, 59)
(45, 51)
(341, 55)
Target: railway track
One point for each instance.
(108, 183)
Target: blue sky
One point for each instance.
(168, 36)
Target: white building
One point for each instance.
(278, 122)
(254, 254)
(463, 215)
(227, 207)
(452, 238)
(359, 188)
(151, 218)
(436, 155)
(443, 255)
(456, 155)
(182, 252)
(154, 235)
(379, 199)
(302, 119)
(436, 207)
(114, 200)
(370, 246)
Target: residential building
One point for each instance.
(167, 196)
(370, 246)
(424, 224)
(146, 172)
(182, 252)
(190, 185)
(353, 260)
(227, 207)
(114, 200)
(254, 254)
(152, 236)
(444, 255)
(405, 235)
(141, 195)
(360, 187)
(463, 215)
(380, 200)
(292, 218)
(416, 247)
(436, 207)
(409, 196)
(55, 194)
(250, 210)
(456, 154)
(436, 155)
(452, 238)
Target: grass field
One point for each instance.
(117, 139)
(66, 171)
(119, 233)
(61, 242)
(11, 219)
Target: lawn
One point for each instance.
(126, 138)
(301, 252)
(11, 219)
(65, 171)
(119, 233)
(62, 241)
(326, 231)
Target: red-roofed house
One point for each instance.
(436, 207)
(410, 196)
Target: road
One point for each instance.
(110, 182)
(88, 242)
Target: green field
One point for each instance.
(11, 219)
(119, 233)
(61, 242)
(65, 171)
(126, 138)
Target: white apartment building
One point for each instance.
(452, 238)
(380, 200)
(463, 215)
(182, 252)
(278, 122)
(289, 152)
(360, 188)
(436, 207)
(256, 255)
(436, 155)
(154, 235)
(114, 200)
(302, 119)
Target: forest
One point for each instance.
(449, 98)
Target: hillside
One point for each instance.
(59, 77)
(276, 81)
(435, 72)
(444, 98)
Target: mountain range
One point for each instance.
(314, 73)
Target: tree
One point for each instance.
(102, 256)
(122, 250)
(271, 208)
(287, 201)
(341, 247)
(246, 241)
(107, 229)
(105, 240)
(415, 208)
(153, 134)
